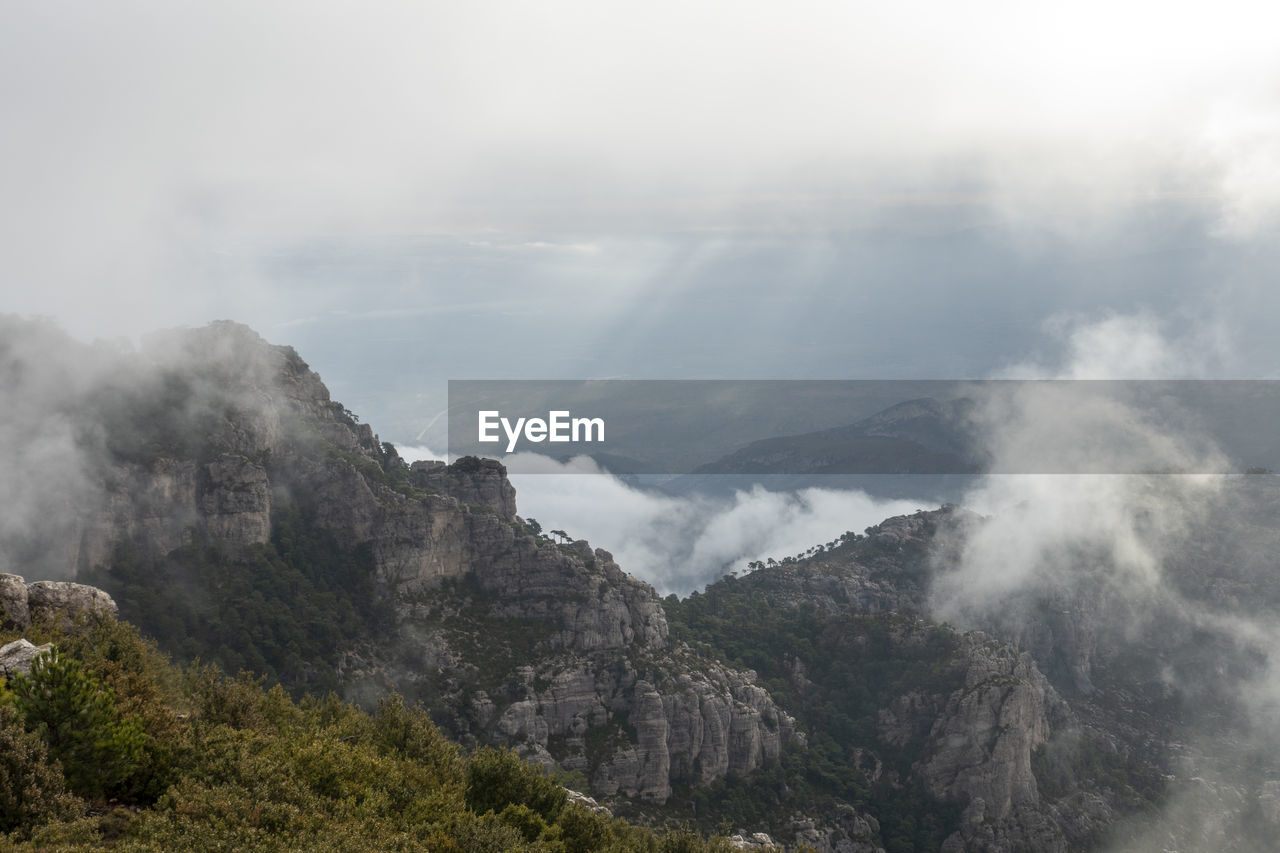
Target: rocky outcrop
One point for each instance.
(976, 721)
(886, 570)
(22, 603)
(753, 841)
(14, 612)
(984, 739)
(65, 600)
(986, 732)
(852, 832)
(636, 730)
(555, 651)
(16, 657)
(208, 429)
(472, 481)
(233, 499)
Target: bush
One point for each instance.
(32, 790)
(497, 778)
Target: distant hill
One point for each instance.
(921, 436)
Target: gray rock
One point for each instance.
(983, 741)
(470, 480)
(234, 501)
(13, 602)
(16, 657)
(64, 600)
(586, 802)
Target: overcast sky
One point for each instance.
(409, 192)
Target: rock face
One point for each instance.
(635, 735)
(14, 612)
(984, 740)
(576, 669)
(852, 833)
(552, 648)
(477, 481)
(891, 574)
(971, 724)
(50, 599)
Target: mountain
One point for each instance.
(240, 516)
(922, 436)
(918, 448)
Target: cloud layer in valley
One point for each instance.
(680, 544)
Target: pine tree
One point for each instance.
(76, 717)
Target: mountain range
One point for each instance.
(838, 699)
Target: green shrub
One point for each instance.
(76, 716)
(32, 790)
(497, 778)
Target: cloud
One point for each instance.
(679, 544)
(146, 176)
(418, 452)
(1157, 577)
(1139, 345)
(1049, 531)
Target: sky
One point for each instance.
(412, 192)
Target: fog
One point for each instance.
(1130, 572)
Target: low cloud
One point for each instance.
(418, 453)
(680, 544)
(1044, 529)
(1160, 571)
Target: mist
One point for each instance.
(681, 544)
(81, 425)
(1155, 583)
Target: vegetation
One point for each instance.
(284, 609)
(77, 718)
(200, 761)
(834, 672)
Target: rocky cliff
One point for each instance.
(22, 603)
(554, 650)
(213, 451)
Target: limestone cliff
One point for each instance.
(207, 438)
(554, 650)
(963, 716)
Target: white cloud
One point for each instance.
(152, 149)
(682, 543)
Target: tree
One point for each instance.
(77, 718)
(497, 778)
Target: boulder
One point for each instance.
(16, 657)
